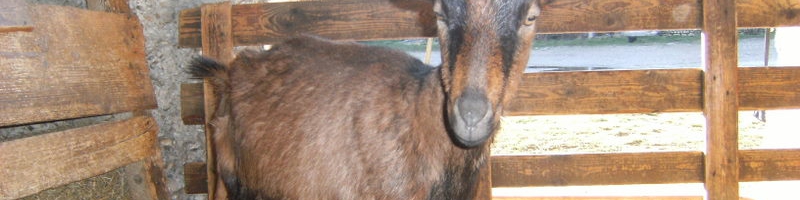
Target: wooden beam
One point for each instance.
(596, 92)
(604, 198)
(597, 169)
(195, 178)
(720, 99)
(192, 111)
(217, 43)
(75, 63)
(611, 168)
(620, 91)
(36, 163)
(14, 16)
(267, 23)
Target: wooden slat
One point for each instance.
(621, 91)
(769, 165)
(720, 99)
(195, 178)
(14, 16)
(32, 164)
(192, 112)
(762, 88)
(267, 23)
(75, 63)
(597, 169)
(217, 43)
(611, 168)
(636, 168)
(604, 198)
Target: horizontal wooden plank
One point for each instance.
(616, 91)
(75, 63)
(636, 168)
(32, 164)
(763, 88)
(612, 168)
(192, 104)
(266, 23)
(195, 178)
(14, 16)
(604, 198)
(597, 169)
(623, 91)
(769, 165)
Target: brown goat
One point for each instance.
(315, 119)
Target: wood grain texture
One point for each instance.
(195, 178)
(75, 63)
(769, 165)
(611, 168)
(14, 16)
(623, 91)
(597, 169)
(720, 99)
(218, 44)
(762, 88)
(266, 23)
(596, 92)
(192, 111)
(58, 158)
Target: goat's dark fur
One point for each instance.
(313, 119)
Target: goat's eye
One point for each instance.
(530, 20)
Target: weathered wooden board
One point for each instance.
(762, 88)
(218, 43)
(195, 178)
(720, 98)
(598, 92)
(620, 91)
(611, 168)
(349, 19)
(192, 111)
(636, 168)
(597, 169)
(604, 198)
(14, 16)
(266, 23)
(75, 63)
(32, 164)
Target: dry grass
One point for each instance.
(614, 133)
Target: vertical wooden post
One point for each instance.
(217, 42)
(720, 103)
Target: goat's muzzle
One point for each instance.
(471, 119)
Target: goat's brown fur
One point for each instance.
(345, 121)
(315, 119)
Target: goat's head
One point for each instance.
(485, 48)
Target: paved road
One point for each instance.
(633, 56)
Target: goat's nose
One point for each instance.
(473, 107)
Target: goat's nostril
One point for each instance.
(472, 108)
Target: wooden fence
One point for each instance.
(63, 63)
(719, 90)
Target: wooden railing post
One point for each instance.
(720, 104)
(217, 43)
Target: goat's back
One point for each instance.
(313, 119)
